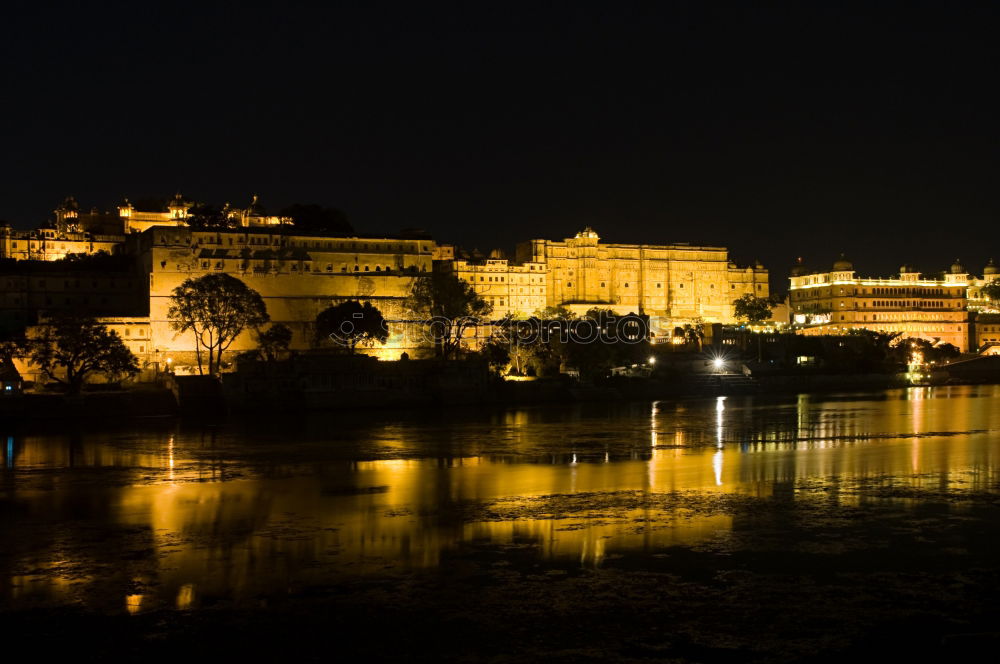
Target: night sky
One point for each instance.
(778, 133)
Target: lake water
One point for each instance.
(168, 515)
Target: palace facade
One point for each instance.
(836, 301)
(49, 244)
(298, 276)
(74, 232)
(518, 290)
(675, 283)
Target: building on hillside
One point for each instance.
(513, 289)
(671, 283)
(297, 275)
(987, 333)
(179, 210)
(836, 301)
(977, 300)
(49, 244)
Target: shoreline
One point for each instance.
(161, 403)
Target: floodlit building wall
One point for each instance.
(677, 282)
(838, 301)
(298, 276)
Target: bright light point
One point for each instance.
(718, 363)
(652, 359)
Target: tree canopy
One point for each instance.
(351, 323)
(80, 347)
(992, 290)
(216, 308)
(751, 308)
(206, 216)
(273, 341)
(449, 306)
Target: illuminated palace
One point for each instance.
(73, 231)
(297, 275)
(672, 282)
(835, 301)
(513, 289)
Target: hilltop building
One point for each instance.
(836, 300)
(49, 244)
(977, 300)
(73, 232)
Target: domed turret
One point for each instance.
(906, 268)
(956, 267)
(125, 209)
(990, 268)
(842, 264)
(177, 208)
(798, 269)
(497, 254)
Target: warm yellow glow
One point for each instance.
(133, 603)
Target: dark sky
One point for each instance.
(775, 132)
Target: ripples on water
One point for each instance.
(167, 514)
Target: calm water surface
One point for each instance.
(175, 515)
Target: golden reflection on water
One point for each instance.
(193, 521)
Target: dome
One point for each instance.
(798, 269)
(178, 202)
(956, 268)
(842, 264)
(497, 254)
(906, 268)
(990, 268)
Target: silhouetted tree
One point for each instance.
(450, 306)
(216, 308)
(693, 334)
(992, 290)
(80, 346)
(351, 323)
(205, 216)
(273, 341)
(753, 309)
(497, 352)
